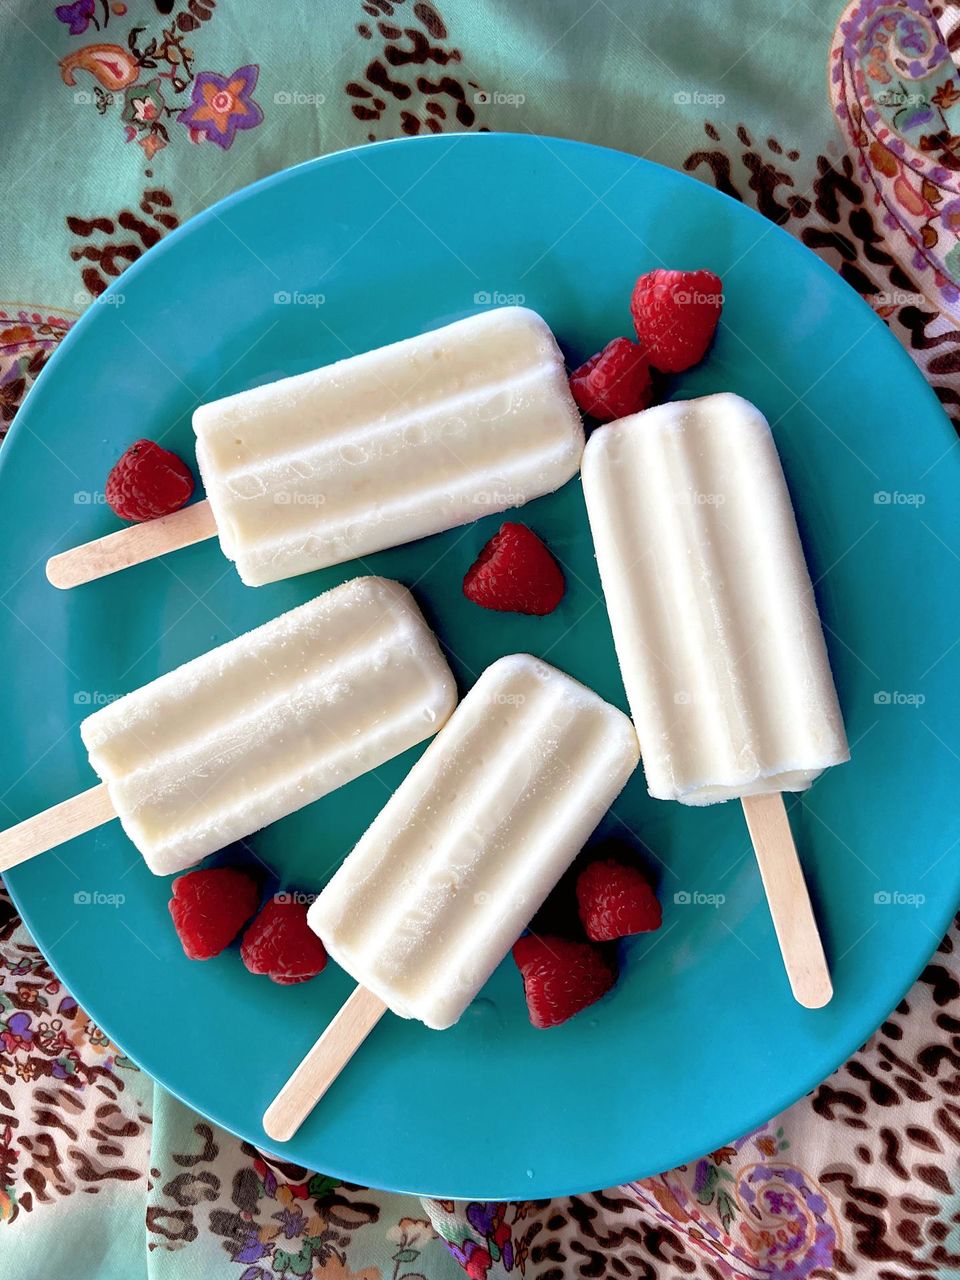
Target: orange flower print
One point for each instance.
(151, 144)
(221, 105)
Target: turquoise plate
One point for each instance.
(700, 1040)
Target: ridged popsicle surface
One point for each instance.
(270, 721)
(713, 614)
(389, 446)
(452, 869)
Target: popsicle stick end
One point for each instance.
(133, 545)
(324, 1062)
(790, 907)
(62, 572)
(812, 990)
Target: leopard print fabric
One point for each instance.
(861, 1178)
(73, 1110)
(833, 218)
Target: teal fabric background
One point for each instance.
(611, 73)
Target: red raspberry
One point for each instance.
(615, 900)
(561, 977)
(281, 944)
(210, 907)
(613, 383)
(515, 573)
(147, 482)
(675, 314)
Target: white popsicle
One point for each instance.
(389, 446)
(717, 633)
(713, 614)
(270, 721)
(368, 453)
(444, 881)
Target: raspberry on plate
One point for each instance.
(281, 944)
(675, 314)
(515, 573)
(561, 977)
(210, 907)
(616, 900)
(147, 482)
(613, 383)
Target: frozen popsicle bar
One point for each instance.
(713, 614)
(270, 721)
(389, 446)
(444, 881)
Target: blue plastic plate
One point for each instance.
(700, 1040)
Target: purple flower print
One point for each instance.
(252, 1249)
(77, 16)
(292, 1222)
(221, 105)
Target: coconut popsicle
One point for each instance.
(258, 727)
(460, 858)
(373, 451)
(713, 614)
(717, 633)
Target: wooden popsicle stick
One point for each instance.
(55, 826)
(317, 1072)
(789, 901)
(132, 545)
